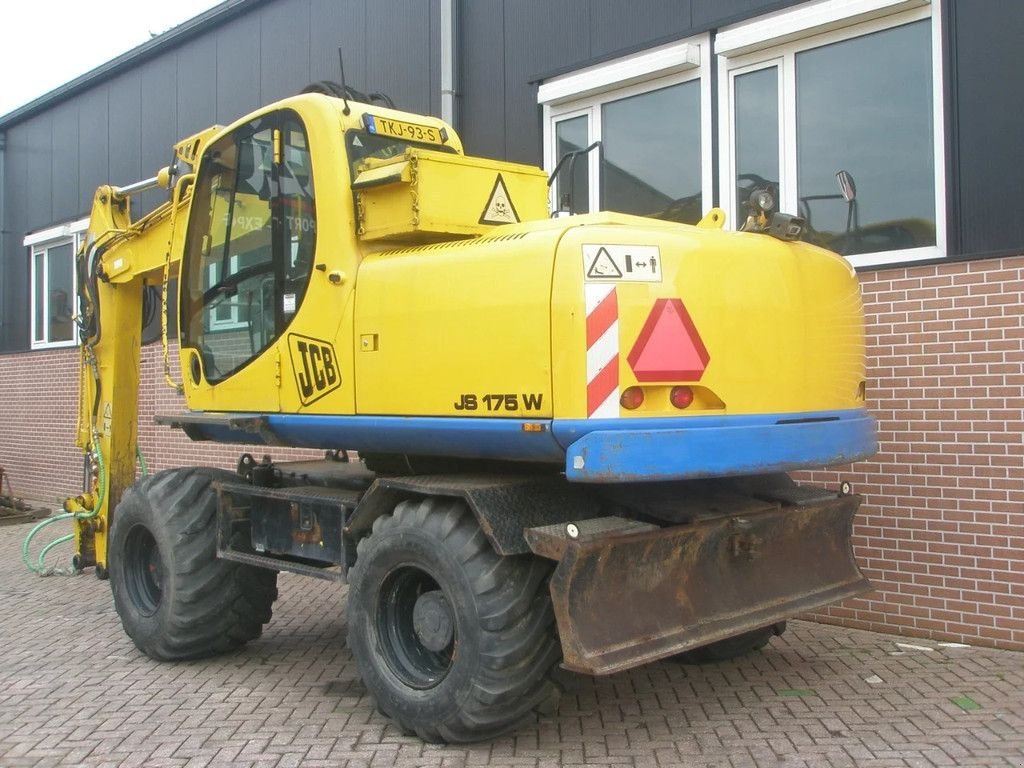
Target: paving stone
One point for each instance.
(74, 691)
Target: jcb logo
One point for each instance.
(315, 366)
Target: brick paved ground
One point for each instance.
(74, 691)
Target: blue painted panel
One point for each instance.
(611, 450)
(718, 447)
(431, 436)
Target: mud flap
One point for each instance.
(626, 593)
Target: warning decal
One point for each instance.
(627, 263)
(499, 208)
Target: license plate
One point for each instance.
(399, 129)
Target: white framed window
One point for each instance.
(839, 85)
(54, 284)
(651, 113)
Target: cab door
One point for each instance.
(249, 253)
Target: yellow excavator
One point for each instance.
(573, 432)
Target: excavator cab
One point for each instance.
(250, 245)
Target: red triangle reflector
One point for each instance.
(668, 347)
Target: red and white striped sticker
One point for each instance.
(602, 351)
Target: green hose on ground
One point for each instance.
(39, 567)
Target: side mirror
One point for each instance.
(847, 187)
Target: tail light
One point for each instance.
(681, 397)
(632, 398)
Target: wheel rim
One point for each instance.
(417, 630)
(143, 570)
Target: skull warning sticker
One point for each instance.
(622, 263)
(499, 208)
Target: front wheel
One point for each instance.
(176, 599)
(455, 642)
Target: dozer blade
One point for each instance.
(626, 593)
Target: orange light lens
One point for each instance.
(681, 397)
(632, 398)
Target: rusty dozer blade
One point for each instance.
(626, 593)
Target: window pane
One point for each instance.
(39, 289)
(571, 136)
(60, 289)
(651, 154)
(757, 135)
(251, 241)
(865, 106)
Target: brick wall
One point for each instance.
(941, 533)
(38, 407)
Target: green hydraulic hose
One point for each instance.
(40, 567)
(143, 468)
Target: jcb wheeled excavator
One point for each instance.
(572, 432)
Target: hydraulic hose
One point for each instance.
(40, 567)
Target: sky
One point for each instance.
(46, 43)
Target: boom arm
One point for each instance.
(118, 258)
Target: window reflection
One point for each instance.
(571, 136)
(59, 280)
(865, 105)
(757, 135)
(251, 240)
(651, 158)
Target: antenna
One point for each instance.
(344, 88)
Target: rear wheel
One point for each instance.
(176, 599)
(732, 647)
(455, 642)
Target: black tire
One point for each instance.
(481, 665)
(176, 599)
(732, 647)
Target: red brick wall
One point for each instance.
(38, 407)
(941, 533)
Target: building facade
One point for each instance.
(694, 103)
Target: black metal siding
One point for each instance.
(507, 44)
(283, 46)
(64, 173)
(93, 146)
(195, 87)
(38, 144)
(482, 77)
(985, 100)
(122, 129)
(612, 22)
(238, 69)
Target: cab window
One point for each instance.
(251, 240)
